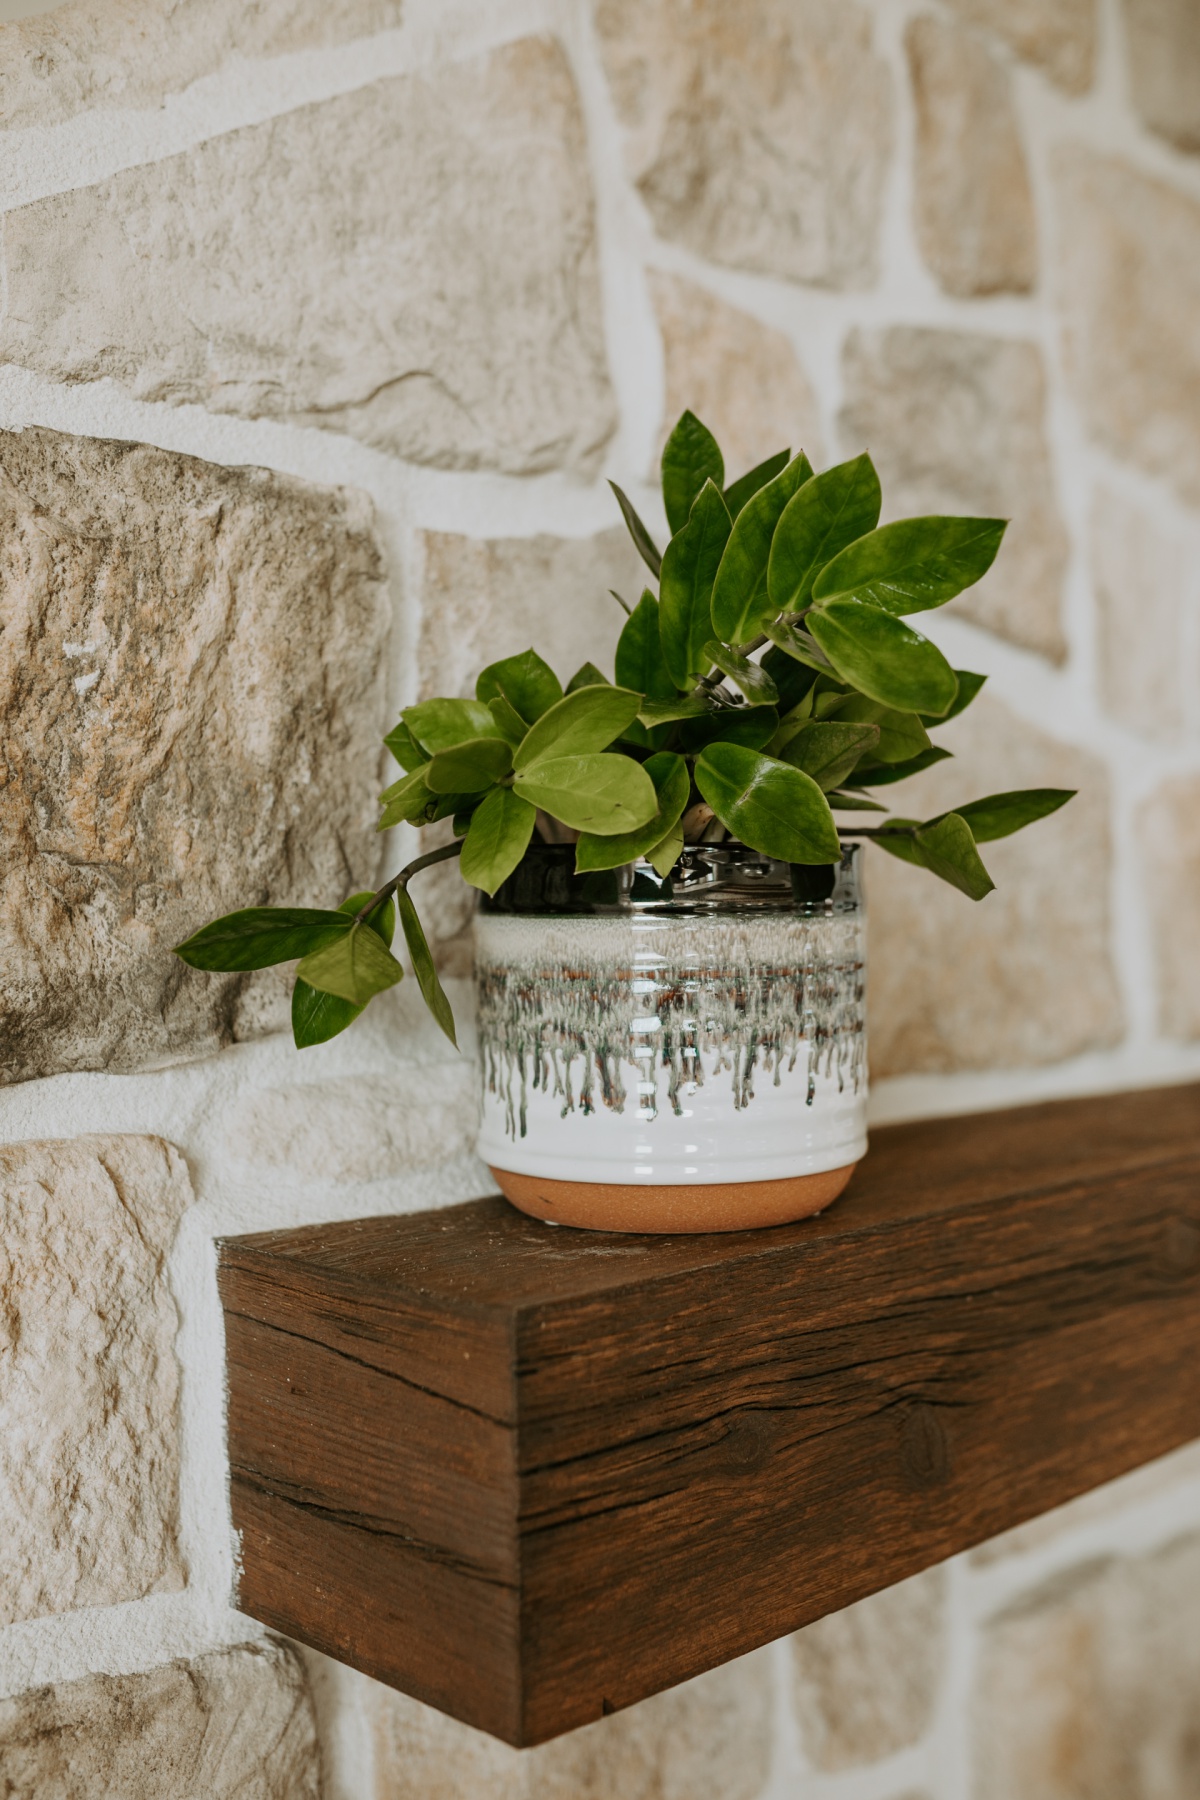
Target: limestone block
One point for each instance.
(1087, 1687)
(1170, 841)
(866, 1679)
(740, 376)
(758, 134)
(1163, 46)
(1129, 290)
(413, 263)
(1145, 592)
(974, 206)
(192, 670)
(235, 1725)
(129, 53)
(707, 1740)
(361, 1127)
(1058, 35)
(1025, 976)
(955, 423)
(89, 1456)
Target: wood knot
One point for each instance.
(746, 1445)
(1178, 1253)
(924, 1451)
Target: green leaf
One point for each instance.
(528, 684)
(690, 458)
(664, 856)
(945, 847)
(829, 750)
(672, 785)
(969, 685)
(405, 748)
(469, 768)
(793, 679)
(665, 712)
(261, 936)
(827, 514)
(587, 675)
(886, 773)
(689, 569)
(512, 725)
(901, 734)
(854, 803)
(440, 724)
(882, 657)
(753, 681)
(497, 838)
(317, 1017)
(999, 815)
(407, 800)
(768, 805)
(746, 486)
(356, 967)
(646, 547)
(422, 962)
(753, 726)
(603, 794)
(640, 663)
(914, 564)
(790, 641)
(588, 720)
(741, 605)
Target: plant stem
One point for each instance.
(406, 874)
(869, 831)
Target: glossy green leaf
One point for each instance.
(588, 720)
(854, 803)
(914, 564)
(792, 679)
(999, 815)
(768, 804)
(422, 962)
(587, 675)
(405, 748)
(440, 724)
(261, 936)
(527, 682)
(666, 712)
(497, 838)
(828, 750)
(317, 1017)
(512, 725)
(469, 768)
(884, 774)
(790, 641)
(356, 967)
(672, 785)
(753, 726)
(753, 681)
(827, 514)
(946, 847)
(647, 549)
(969, 685)
(603, 794)
(663, 857)
(690, 457)
(882, 657)
(741, 605)
(689, 569)
(746, 486)
(639, 662)
(407, 801)
(901, 734)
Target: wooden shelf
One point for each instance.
(532, 1476)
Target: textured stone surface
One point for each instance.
(1088, 1688)
(707, 1740)
(740, 376)
(89, 1460)
(1170, 841)
(236, 1725)
(758, 134)
(866, 1679)
(1129, 289)
(955, 423)
(1163, 39)
(1058, 35)
(361, 1127)
(1115, 1497)
(129, 53)
(1145, 592)
(191, 669)
(1024, 976)
(974, 207)
(413, 263)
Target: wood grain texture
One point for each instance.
(532, 1476)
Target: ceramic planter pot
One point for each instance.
(680, 1056)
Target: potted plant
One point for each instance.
(670, 947)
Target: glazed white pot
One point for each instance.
(673, 1059)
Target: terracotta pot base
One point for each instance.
(712, 1206)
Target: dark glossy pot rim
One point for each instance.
(708, 878)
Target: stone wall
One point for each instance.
(322, 328)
